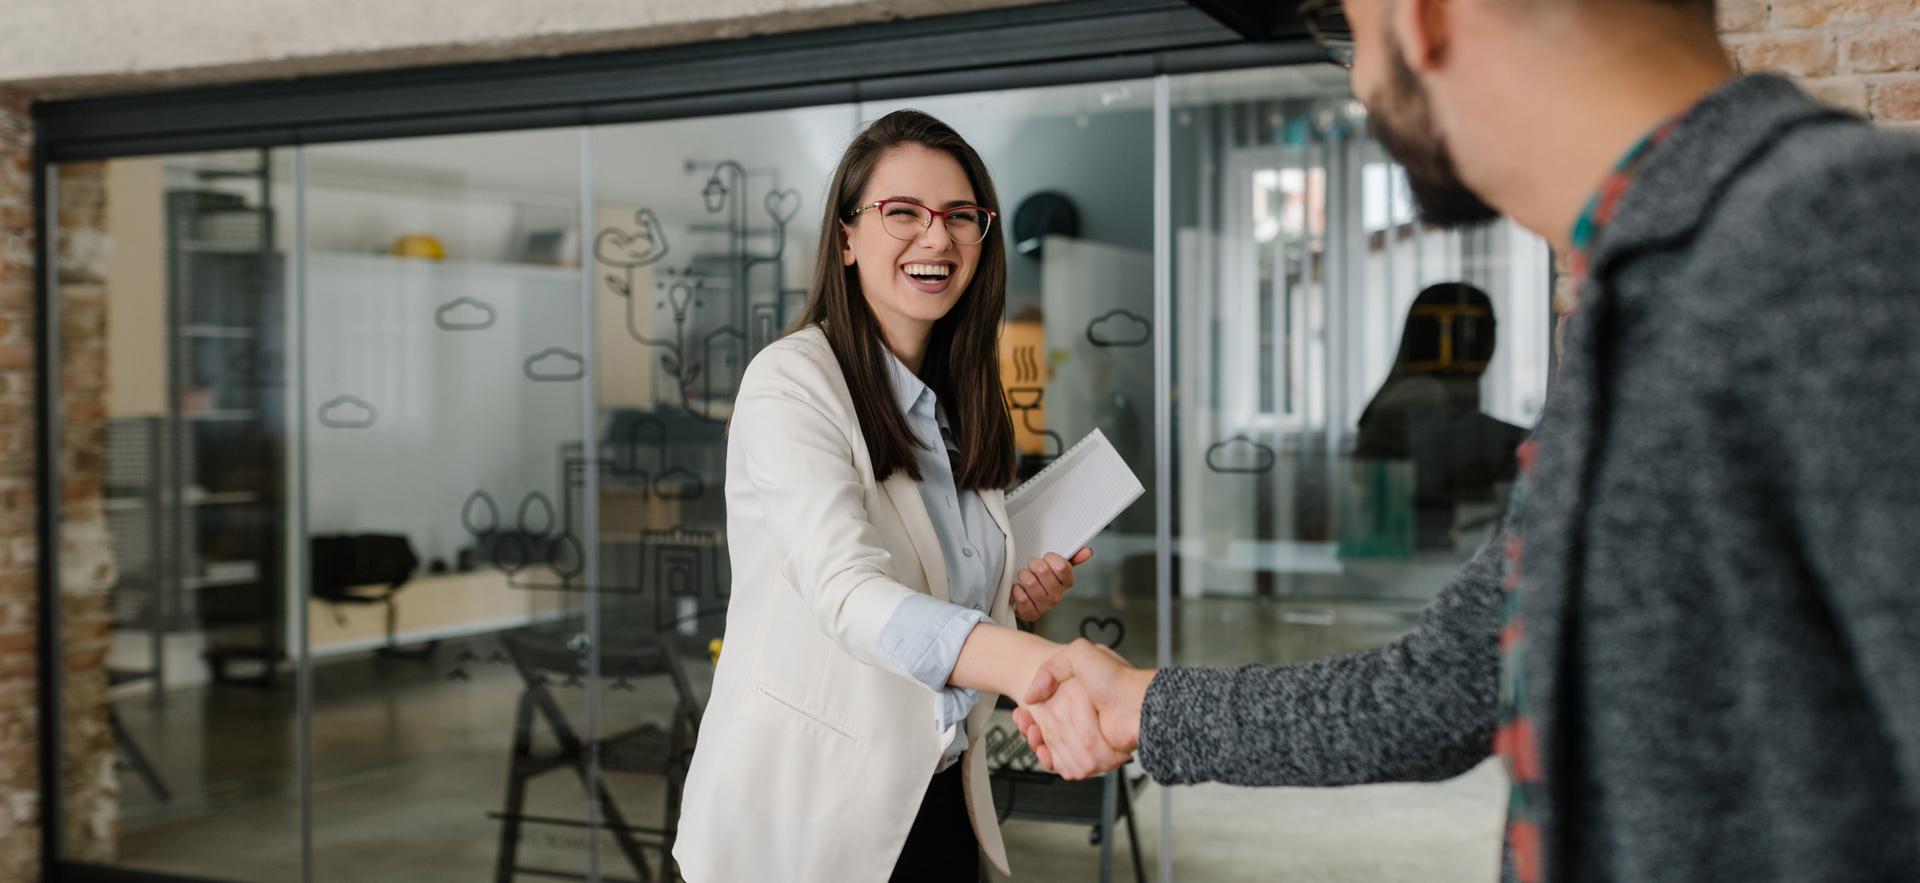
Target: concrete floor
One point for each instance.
(408, 762)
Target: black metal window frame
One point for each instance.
(1047, 44)
(1059, 43)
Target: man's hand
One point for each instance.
(1082, 713)
(1040, 586)
(1072, 746)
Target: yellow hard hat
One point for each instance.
(419, 245)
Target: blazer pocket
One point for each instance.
(796, 708)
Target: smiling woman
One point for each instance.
(866, 464)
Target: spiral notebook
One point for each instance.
(1075, 497)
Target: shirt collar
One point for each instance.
(1600, 206)
(907, 388)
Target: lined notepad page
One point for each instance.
(1061, 509)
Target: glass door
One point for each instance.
(1346, 426)
(704, 236)
(178, 721)
(396, 536)
(445, 368)
(1073, 167)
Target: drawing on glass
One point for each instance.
(465, 314)
(718, 321)
(555, 365)
(1240, 455)
(1119, 328)
(347, 412)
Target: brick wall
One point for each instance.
(19, 767)
(1863, 55)
(89, 785)
(86, 553)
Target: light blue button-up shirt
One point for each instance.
(924, 635)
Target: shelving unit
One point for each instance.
(226, 404)
(137, 507)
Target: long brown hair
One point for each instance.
(962, 364)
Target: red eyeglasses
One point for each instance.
(967, 224)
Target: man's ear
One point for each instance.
(1424, 30)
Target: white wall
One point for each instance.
(451, 410)
(136, 289)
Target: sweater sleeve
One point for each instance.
(1419, 709)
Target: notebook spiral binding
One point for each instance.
(1016, 492)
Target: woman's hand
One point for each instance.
(1044, 581)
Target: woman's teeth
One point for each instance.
(928, 271)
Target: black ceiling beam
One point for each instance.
(1044, 44)
(1262, 21)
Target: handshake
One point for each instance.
(1081, 715)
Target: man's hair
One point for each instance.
(1708, 9)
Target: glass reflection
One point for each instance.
(1338, 438)
(1343, 440)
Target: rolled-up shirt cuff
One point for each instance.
(923, 638)
(954, 704)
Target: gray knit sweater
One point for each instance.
(1722, 562)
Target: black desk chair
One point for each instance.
(365, 569)
(543, 655)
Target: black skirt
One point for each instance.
(941, 848)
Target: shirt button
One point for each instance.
(967, 552)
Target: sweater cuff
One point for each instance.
(1177, 725)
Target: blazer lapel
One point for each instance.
(1002, 607)
(905, 493)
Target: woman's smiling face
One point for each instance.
(910, 284)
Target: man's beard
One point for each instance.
(1403, 124)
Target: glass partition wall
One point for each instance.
(411, 458)
(1344, 433)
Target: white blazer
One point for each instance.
(814, 752)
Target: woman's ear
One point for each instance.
(846, 245)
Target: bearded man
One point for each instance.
(1696, 641)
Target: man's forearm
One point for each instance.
(1419, 709)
